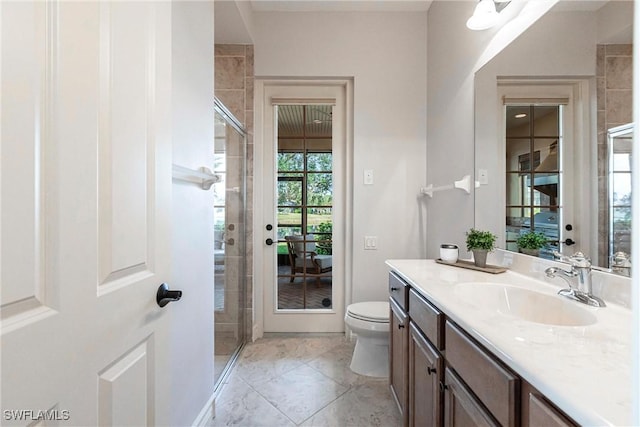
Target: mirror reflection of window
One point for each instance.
(533, 137)
(620, 143)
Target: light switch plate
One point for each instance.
(368, 177)
(371, 242)
(483, 176)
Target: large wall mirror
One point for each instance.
(545, 110)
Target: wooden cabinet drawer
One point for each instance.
(496, 387)
(399, 291)
(428, 318)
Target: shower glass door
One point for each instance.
(229, 245)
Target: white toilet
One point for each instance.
(370, 322)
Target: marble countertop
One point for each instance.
(584, 370)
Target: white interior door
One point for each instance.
(85, 202)
(330, 99)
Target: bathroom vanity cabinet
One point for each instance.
(440, 375)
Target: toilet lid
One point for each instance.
(377, 311)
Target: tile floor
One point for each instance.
(302, 380)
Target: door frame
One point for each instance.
(340, 275)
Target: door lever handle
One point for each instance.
(164, 296)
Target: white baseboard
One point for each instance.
(205, 417)
(258, 332)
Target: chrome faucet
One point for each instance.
(580, 268)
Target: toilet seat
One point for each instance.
(376, 311)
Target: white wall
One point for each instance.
(454, 55)
(385, 53)
(192, 332)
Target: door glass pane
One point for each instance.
(545, 189)
(518, 119)
(305, 199)
(319, 189)
(546, 120)
(289, 190)
(533, 173)
(546, 150)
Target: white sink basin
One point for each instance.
(525, 304)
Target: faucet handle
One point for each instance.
(578, 259)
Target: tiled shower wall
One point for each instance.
(234, 81)
(614, 69)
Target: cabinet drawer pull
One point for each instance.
(400, 326)
(443, 386)
(394, 289)
(431, 370)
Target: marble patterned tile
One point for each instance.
(233, 388)
(619, 106)
(619, 72)
(366, 405)
(230, 50)
(249, 409)
(300, 392)
(229, 72)
(619, 49)
(265, 360)
(600, 52)
(308, 348)
(335, 364)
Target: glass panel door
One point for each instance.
(229, 240)
(304, 207)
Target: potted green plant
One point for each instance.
(480, 243)
(531, 242)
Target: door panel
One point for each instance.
(123, 386)
(85, 197)
(25, 131)
(126, 152)
(288, 283)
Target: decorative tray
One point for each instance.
(493, 269)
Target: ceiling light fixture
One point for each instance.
(485, 14)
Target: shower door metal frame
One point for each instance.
(242, 321)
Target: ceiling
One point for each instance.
(340, 5)
(307, 120)
(232, 17)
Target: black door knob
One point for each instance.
(569, 242)
(269, 241)
(164, 296)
